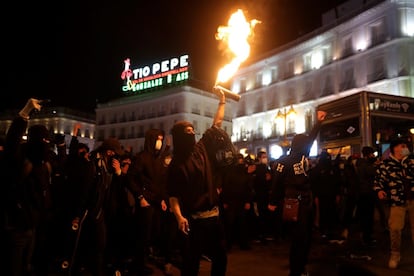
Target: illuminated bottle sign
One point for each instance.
(166, 72)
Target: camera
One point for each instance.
(111, 169)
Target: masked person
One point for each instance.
(26, 198)
(394, 181)
(149, 176)
(94, 200)
(291, 180)
(193, 182)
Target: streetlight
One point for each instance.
(283, 116)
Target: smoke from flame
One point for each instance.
(235, 35)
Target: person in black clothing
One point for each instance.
(366, 169)
(291, 180)
(150, 175)
(193, 182)
(326, 188)
(262, 180)
(236, 196)
(26, 196)
(94, 198)
(351, 193)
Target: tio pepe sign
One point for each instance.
(165, 72)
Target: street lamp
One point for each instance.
(283, 117)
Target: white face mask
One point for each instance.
(405, 152)
(158, 145)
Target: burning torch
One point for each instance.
(228, 93)
(235, 35)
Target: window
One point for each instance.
(289, 69)
(328, 86)
(259, 80)
(377, 69)
(141, 132)
(132, 132)
(347, 48)
(377, 33)
(307, 58)
(274, 74)
(348, 81)
(132, 117)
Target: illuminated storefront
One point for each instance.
(366, 119)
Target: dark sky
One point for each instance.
(72, 52)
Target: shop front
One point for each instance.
(366, 119)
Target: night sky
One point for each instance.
(72, 52)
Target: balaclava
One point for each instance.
(183, 142)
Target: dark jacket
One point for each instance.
(148, 171)
(194, 180)
(291, 172)
(237, 187)
(26, 171)
(365, 169)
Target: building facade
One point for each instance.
(58, 120)
(128, 118)
(361, 46)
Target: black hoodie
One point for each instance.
(149, 170)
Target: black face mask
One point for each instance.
(183, 144)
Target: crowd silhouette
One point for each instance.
(112, 211)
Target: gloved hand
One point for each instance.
(32, 104)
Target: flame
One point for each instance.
(236, 36)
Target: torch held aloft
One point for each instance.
(228, 93)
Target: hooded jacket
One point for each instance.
(290, 176)
(149, 171)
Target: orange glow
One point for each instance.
(236, 36)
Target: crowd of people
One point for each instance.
(110, 210)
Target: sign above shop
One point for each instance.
(401, 106)
(166, 72)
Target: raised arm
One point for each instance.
(321, 115)
(218, 118)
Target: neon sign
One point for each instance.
(166, 72)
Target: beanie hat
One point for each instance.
(112, 143)
(395, 143)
